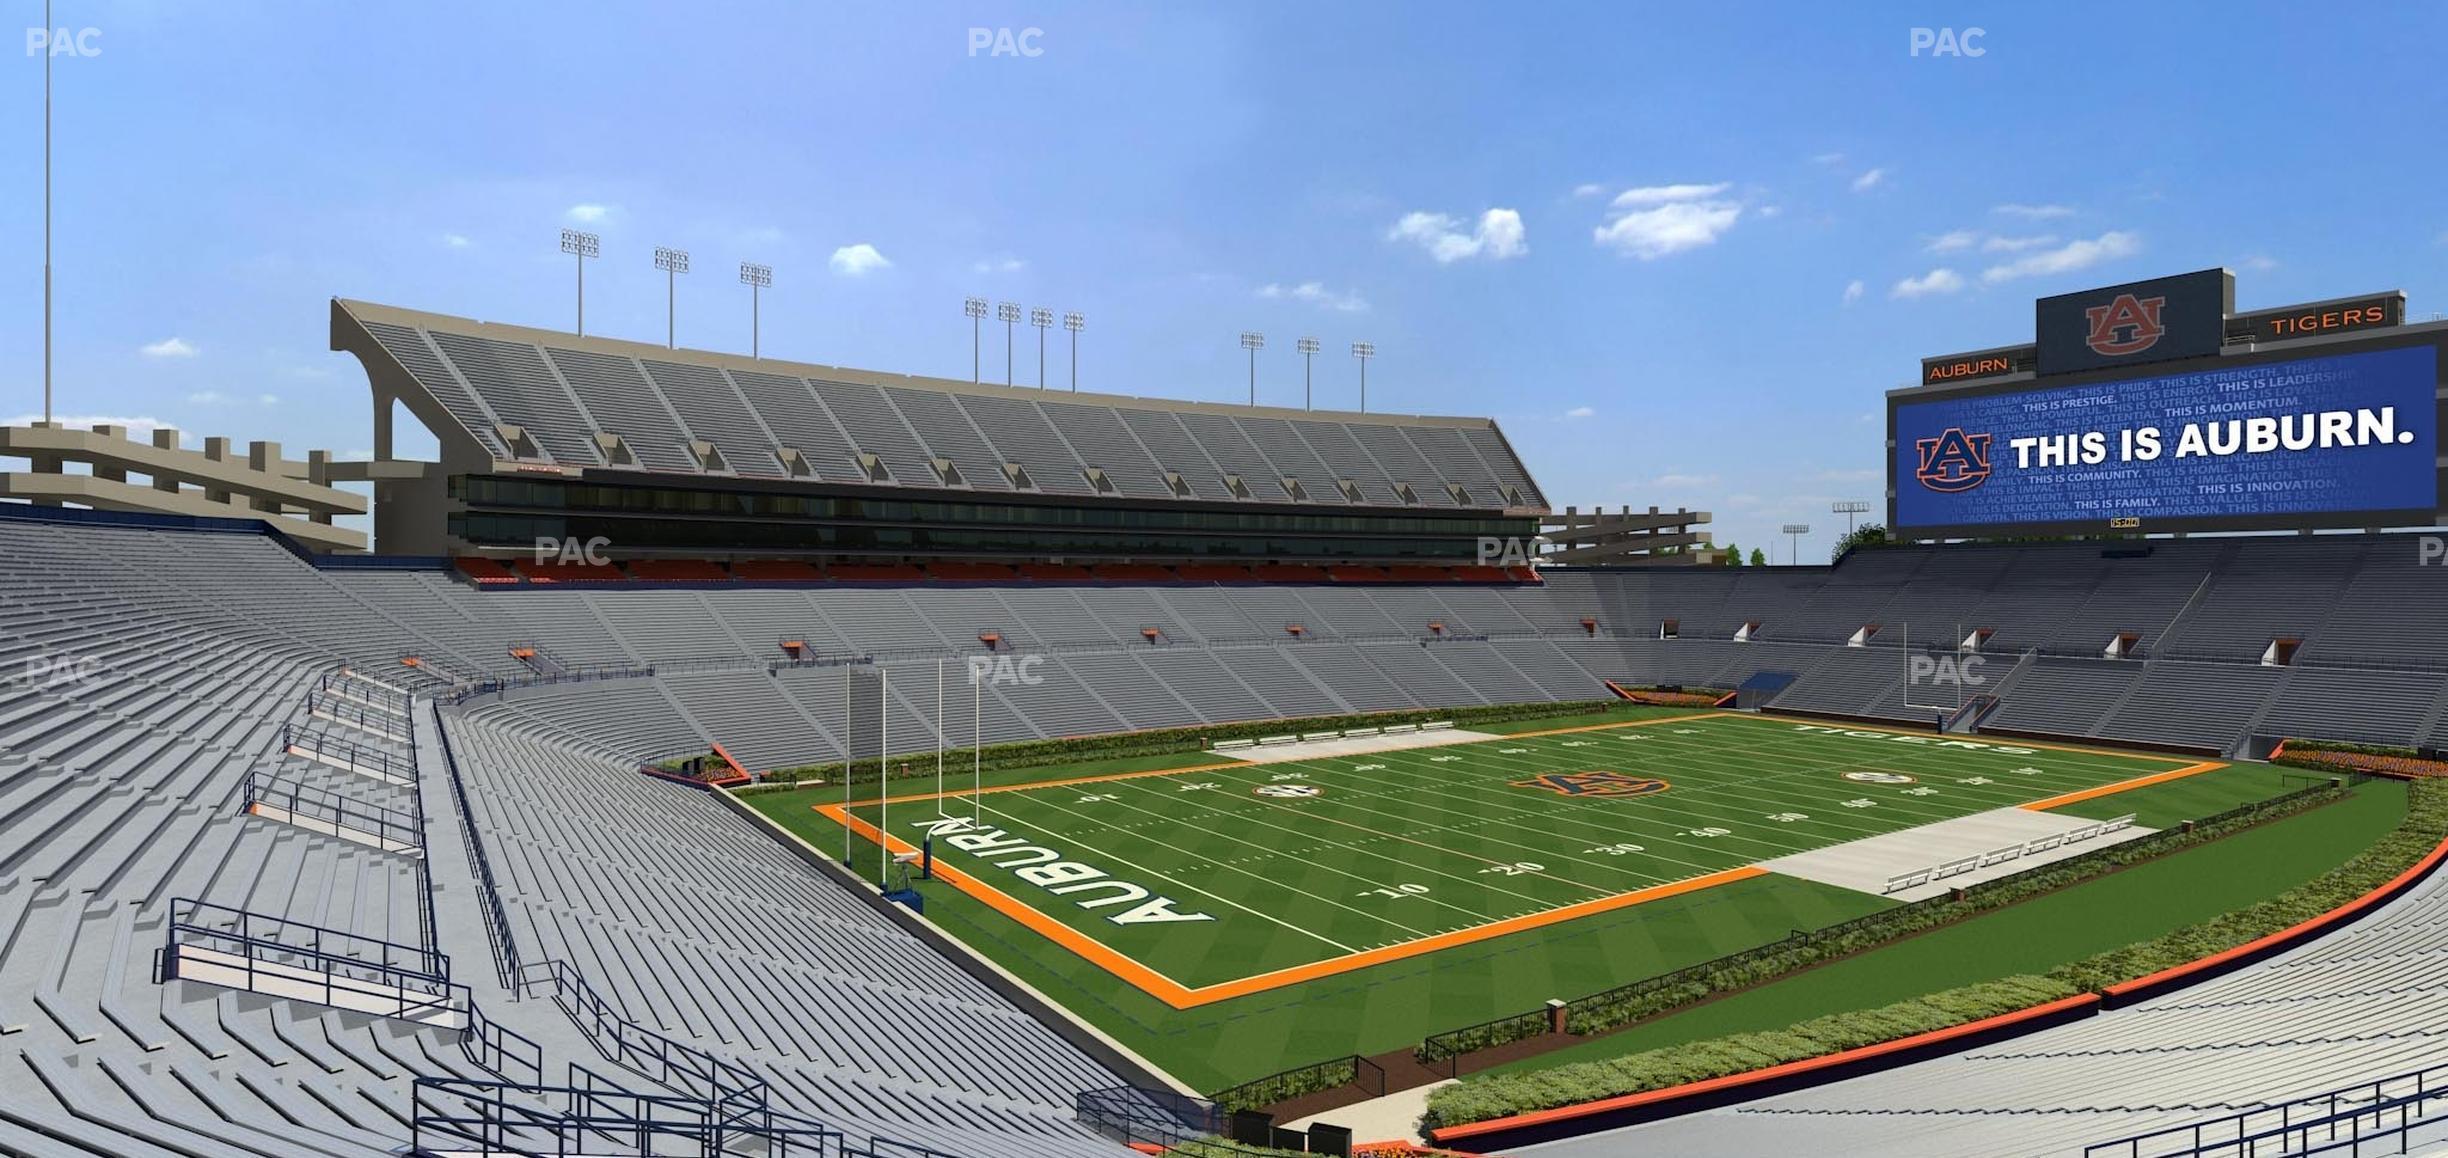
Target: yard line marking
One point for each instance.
(2124, 785)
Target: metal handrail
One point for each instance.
(2239, 1134)
(296, 796)
(496, 918)
(260, 941)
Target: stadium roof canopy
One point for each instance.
(510, 398)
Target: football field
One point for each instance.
(1231, 878)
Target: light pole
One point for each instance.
(1075, 322)
(581, 245)
(673, 263)
(1041, 317)
(1364, 351)
(47, 27)
(756, 278)
(1007, 313)
(1308, 348)
(1793, 545)
(1848, 508)
(1253, 341)
(975, 310)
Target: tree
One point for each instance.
(1733, 555)
(1865, 535)
(1759, 558)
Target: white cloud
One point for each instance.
(268, 399)
(1581, 412)
(1316, 294)
(1828, 159)
(1997, 244)
(1953, 240)
(1660, 194)
(1770, 210)
(588, 214)
(1936, 281)
(456, 240)
(1868, 181)
(208, 398)
(1589, 190)
(1684, 480)
(858, 260)
(1853, 291)
(168, 348)
(2074, 255)
(1497, 236)
(2259, 263)
(2034, 212)
(1000, 265)
(1652, 221)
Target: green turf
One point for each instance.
(1396, 847)
(2167, 804)
(2097, 915)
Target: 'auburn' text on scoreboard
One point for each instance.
(2351, 433)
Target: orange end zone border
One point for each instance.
(1180, 996)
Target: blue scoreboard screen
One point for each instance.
(2304, 441)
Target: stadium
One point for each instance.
(772, 735)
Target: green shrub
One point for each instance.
(1478, 1099)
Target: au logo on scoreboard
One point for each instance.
(1953, 461)
(1594, 784)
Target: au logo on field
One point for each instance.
(1594, 784)
(1288, 791)
(1878, 777)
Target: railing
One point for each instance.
(1129, 1114)
(379, 721)
(389, 826)
(496, 918)
(274, 955)
(348, 684)
(673, 1064)
(595, 1116)
(1452, 1044)
(462, 693)
(1334, 1073)
(497, 1048)
(311, 744)
(2315, 1124)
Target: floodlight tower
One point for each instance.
(1364, 351)
(1041, 317)
(1793, 547)
(1308, 348)
(975, 310)
(1253, 341)
(1848, 508)
(673, 263)
(1075, 322)
(756, 277)
(581, 245)
(1007, 313)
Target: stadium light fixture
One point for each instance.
(673, 263)
(1253, 341)
(975, 310)
(1007, 313)
(1848, 508)
(1041, 317)
(1075, 322)
(1793, 550)
(581, 245)
(47, 25)
(1364, 351)
(1308, 348)
(756, 277)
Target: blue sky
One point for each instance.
(1678, 251)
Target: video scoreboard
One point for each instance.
(2126, 416)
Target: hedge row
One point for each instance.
(1503, 1095)
(1477, 1099)
(2424, 827)
(2393, 766)
(1650, 997)
(1165, 741)
(2296, 745)
(1290, 1084)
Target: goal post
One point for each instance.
(1936, 673)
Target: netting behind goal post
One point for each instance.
(863, 738)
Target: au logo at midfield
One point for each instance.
(1594, 784)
